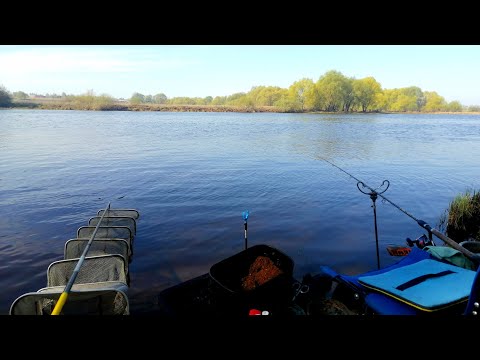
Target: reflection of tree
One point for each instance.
(334, 136)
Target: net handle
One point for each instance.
(63, 297)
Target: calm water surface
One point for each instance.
(190, 175)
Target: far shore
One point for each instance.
(197, 108)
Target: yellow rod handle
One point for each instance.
(61, 301)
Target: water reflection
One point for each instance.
(192, 174)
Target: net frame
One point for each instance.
(74, 248)
(94, 269)
(119, 232)
(115, 221)
(121, 212)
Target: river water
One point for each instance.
(190, 175)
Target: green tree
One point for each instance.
(265, 95)
(256, 94)
(232, 98)
(199, 101)
(103, 102)
(182, 100)
(287, 104)
(89, 101)
(455, 106)
(334, 91)
(137, 98)
(241, 100)
(348, 94)
(385, 98)
(244, 101)
(160, 98)
(5, 98)
(366, 91)
(404, 103)
(276, 95)
(417, 93)
(148, 99)
(302, 94)
(208, 100)
(219, 100)
(404, 99)
(434, 102)
(20, 95)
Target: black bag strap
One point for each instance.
(421, 279)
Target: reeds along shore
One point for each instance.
(61, 105)
(461, 220)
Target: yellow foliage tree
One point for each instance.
(365, 91)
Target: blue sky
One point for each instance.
(202, 70)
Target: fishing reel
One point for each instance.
(420, 242)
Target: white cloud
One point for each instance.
(41, 60)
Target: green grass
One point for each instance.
(461, 220)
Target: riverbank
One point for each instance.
(122, 106)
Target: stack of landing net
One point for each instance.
(101, 283)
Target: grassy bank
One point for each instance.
(461, 221)
(53, 104)
(96, 105)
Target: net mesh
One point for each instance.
(115, 221)
(74, 248)
(118, 232)
(94, 269)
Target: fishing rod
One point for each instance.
(373, 195)
(63, 297)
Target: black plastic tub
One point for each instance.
(473, 246)
(227, 278)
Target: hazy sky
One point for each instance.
(217, 70)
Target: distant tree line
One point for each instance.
(87, 101)
(90, 101)
(5, 97)
(332, 92)
(138, 98)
